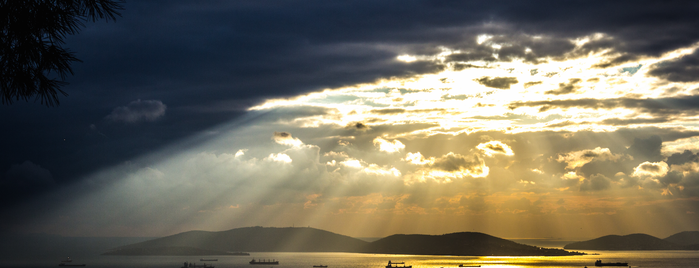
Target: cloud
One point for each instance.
(285, 138)
(474, 203)
(375, 169)
(566, 88)
(497, 82)
(27, 175)
(137, 111)
(451, 166)
(683, 69)
(578, 159)
(648, 149)
(388, 146)
(681, 158)
(495, 147)
(359, 126)
(662, 107)
(651, 169)
(522, 205)
(279, 157)
(596, 182)
(417, 159)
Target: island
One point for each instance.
(304, 239)
(679, 241)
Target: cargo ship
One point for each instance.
(397, 265)
(600, 263)
(194, 265)
(272, 262)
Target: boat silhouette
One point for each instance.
(397, 265)
(600, 263)
(272, 262)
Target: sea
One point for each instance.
(668, 259)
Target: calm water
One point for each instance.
(676, 259)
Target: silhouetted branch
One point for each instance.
(32, 62)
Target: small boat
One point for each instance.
(320, 266)
(208, 259)
(272, 262)
(194, 265)
(600, 263)
(397, 265)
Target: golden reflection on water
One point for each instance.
(498, 261)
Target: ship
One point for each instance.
(67, 260)
(194, 265)
(68, 264)
(600, 263)
(397, 265)
(272, 262)
(208, 259)
(461, 265)
(320, 266)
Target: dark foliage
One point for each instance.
(33, 63)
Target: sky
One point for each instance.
(544, 119)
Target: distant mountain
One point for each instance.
(690, 238)
(168, 251)
(464, 244)
(626, 242)
(255, 239)
(259, 239)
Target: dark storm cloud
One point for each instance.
(681, 158)
(28, 175)
(22, 180)
(209, 61)
(497, 82)
(138, 110)
(647, 149)
(684, 69)
(616, 61)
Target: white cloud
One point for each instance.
(389, 146)
(353, 163)
(495, 147)
(418, 159)
(280, 157)
(448, 167)
(285, 138)
(650, 169)
(375, 169)
(578, 159)
(137, 111)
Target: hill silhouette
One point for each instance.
(688, 239)
(255, 239)
(626, 242)
(167, 251)
(259, 239)
(464, 244)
